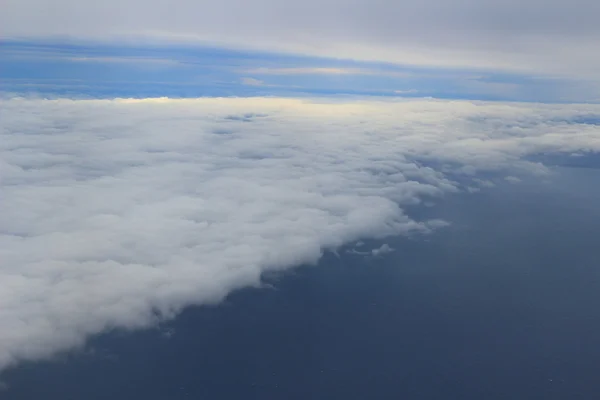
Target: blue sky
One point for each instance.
(97, 69)
(534, 50)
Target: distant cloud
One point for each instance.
(327, 71)
(119, 213)
(408, 91)
(252, 82)
(125, 60)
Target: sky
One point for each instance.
(161, 158)
(530, 50)
(555, 36)
(120, 69)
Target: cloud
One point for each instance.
(328, 71)
(484, 183)
(252, 82)
(119, 213)
(543, 36)
(384, 249)
(377, 252)
(167, 333)
(125, 60)
(512, 179)
(408, 91)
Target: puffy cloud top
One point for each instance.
(118, 213)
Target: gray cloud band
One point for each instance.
(550, 37)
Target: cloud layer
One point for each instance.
(118, 213)
(549, 36)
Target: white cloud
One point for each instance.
(384, 249)
(118, 213)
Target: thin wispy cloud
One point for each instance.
(126, 60)
(252, 81)
(407, 91)
(327, 71)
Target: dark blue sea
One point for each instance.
(504, 304)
